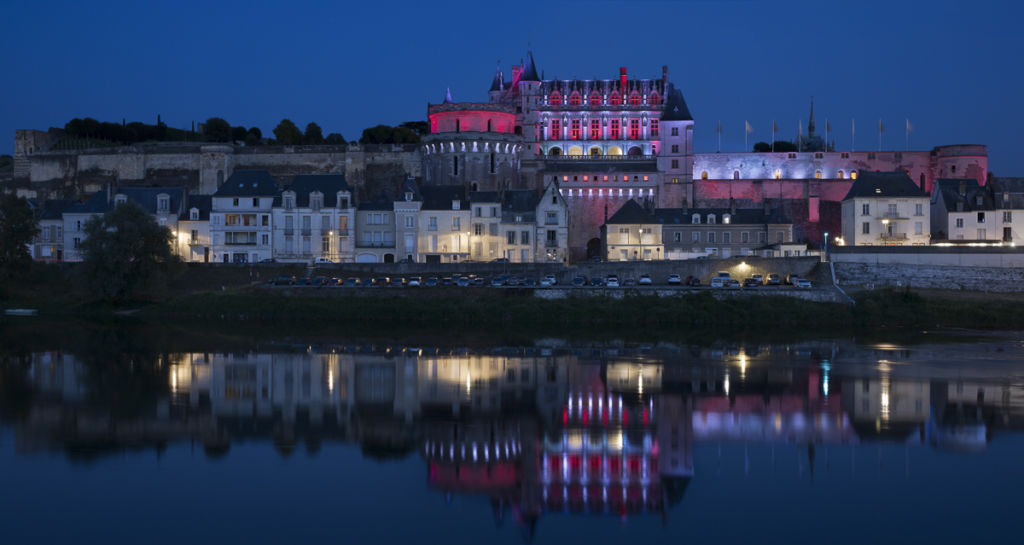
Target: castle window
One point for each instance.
(458, 125)
(555, 99)
(193, 215)
(615, 99)
(735, 175)
(634, 129)
(953, 169)
(675, 148)
(704, 175)
(778, 174)
(488, 125)
(845, 155)
(654, 98)
(675, 163)
(817, 174)
(839, 175)
(616, 131)
(711, 219)
(574, 129)
(575, 99)
(853, 174)
(556, 129)
(595, 99)
(595, 129)
(675, 131)
(654, 127)
(725, 219)
(634, 99)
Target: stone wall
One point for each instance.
(974, 269)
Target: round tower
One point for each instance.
(472, 144)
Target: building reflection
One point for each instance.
(534, 431)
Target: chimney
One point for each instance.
(732, 206)
(963, 188)
(622, 80)
(664, 74)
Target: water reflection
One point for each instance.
(557, 429)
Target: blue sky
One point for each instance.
(953, 68)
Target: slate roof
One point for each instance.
(883, 185)
(304, 184)
(675, 106)
(529, 69)
(499, 81)
(1013, 186)
(147, 197)
(440, 197)
(202, 202)
(631, 213)
(53, 209)
(484, 196)
(410, 185)
(381, 203)
(741, 216)
(95, 204)
(248, 183)
(949, 190)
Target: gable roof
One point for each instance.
(248, 183)
(146, 197)
(632, 213)
(53, 209)
(949, 191)
(410, 186)
(675, 106)
(327, 184)
(883, 185)
(203, 203)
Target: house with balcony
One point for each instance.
(633, 233)
(485, 223)
(193, 239)
(241, 217)
(444, 224)
(48, 244)
(314, 218)
(886, 209)
(375, 228)
(552, 227)
(166, 204)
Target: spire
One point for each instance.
(448, 96)
(675, 106)
(810, 122)
(499, 80)
(529, 69)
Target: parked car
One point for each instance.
(719, 282)
(792, 279)
(551, 278)
(723, 275)
(803, 283)
(611, 281)
(751, 282)
(431, 282)
(351, 282)
(629, 283)
(530, 283)
(479, 281)
(513, 281)
(283, 280)
(323, 261)
(579, 281)
(414, 282)
(645, 280)
(673, 280)
(318, 282)
(758, 278)
(596, 281)
(694, 282)
(774, 279)
(498, 281)
(732, 284)
(463, 281)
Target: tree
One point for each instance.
(762, 147)
(335, 138)
(784, 146)
(384, 134)
(313, 135)
(238, 134)
(217, 130)
(7, 162)
(287, 134)
(421, 128)
(256, 132)
(125, 253)
(18, 226)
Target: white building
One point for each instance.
(165, 203)
(886, 209)
(444, 225)
(314, 219)
(193, 240)
(241, 218)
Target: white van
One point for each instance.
(322, 261)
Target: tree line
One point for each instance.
(216, 129)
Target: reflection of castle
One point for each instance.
(535, 431)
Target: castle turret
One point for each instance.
(675, 155)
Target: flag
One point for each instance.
(775, 127)
(828, 127)
(748, 127)
(719, 127)
(800, 127)
(910, 128)
(881, 127)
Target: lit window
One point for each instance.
(704, 175)
(817, 174)
(595, 99)
(556, 129)
(778, 173)
(654, 99)
(595, 129)
(574, 129)
(634, 99)
(839, 175)
(575, 99)
(555, 99)
(654, 127)
(615, 99)
(616, 132)
(853, 174)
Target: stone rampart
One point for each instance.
(974, 269)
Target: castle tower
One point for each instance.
(675, 155)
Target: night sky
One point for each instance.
(953, 68)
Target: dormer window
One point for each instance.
(408, 196)
(978, 200)
(120, 199)
(695, 219)
(163, 203)
(711, 219)
(316, 200)
(726, 218)
(456, 205)
(289, 200)
(342, 200)
(193, 214)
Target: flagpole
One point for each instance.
(719, 136)
(908, 134)
(879, 134)
(853, 134)
(773, 136)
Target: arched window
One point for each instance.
(595, 99)
(555, 152)
(711, 219)
(839, 175)
(704, 175)
(853, 174)
(488, 125)
(575, 99)
(555, 99)
(458, 125)
(817, 174)
(726, 218)
(654, 98)
(735, 175)
(634, 99)
(778, 174)
(922, 180)
(695, 219)
(615, 99)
